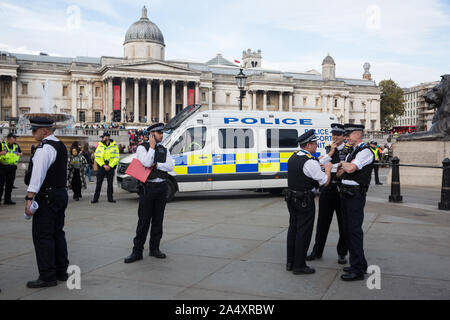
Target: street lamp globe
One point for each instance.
(241, 80)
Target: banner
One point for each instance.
(191, 95)
(116, 98)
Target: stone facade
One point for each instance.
(156, 90)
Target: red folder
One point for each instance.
(138, 171)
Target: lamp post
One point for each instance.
(81, 106)
(241, 80)
(55, 107)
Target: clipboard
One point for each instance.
(138, 171)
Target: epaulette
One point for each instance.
(309, 156)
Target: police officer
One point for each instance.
(47, 186)
(304, 175)
(356, 173)
(377, 154)
(152, 195)
(329, 200)
(107, 157)
(10, 154)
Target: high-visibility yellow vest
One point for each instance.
(108, 154)
(11, 157)
(375, 153)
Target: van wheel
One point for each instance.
(171, 191)
(276, 191)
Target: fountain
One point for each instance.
(64, 123)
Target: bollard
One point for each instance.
(395, 184)
(445, 191)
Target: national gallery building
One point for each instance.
(142, 87)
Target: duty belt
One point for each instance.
(302, 198)
(45, 192)
(352, 190)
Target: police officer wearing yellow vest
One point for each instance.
(377, 153)
(10, 154)
(304, 175)
(107, 157)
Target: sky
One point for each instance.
(407, 41)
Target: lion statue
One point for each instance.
(437, 98)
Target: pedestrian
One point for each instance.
(356, 174)
(87, 154)
(152, 194)
(329, 200)
(46, 179)
(107, 158)
(304, 175)
(77, 173)
(373, 145)
(10, 154)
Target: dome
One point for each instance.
(328, 60)
(144, 31)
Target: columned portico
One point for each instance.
(123, 100)
(265, 100)
(109, 109)
(280, 101)
(14, 96)
(197, 92)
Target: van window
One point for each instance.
(236, 138)
(282, 138)
(192, 139)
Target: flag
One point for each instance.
(236, 61)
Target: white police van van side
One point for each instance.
(221, 149)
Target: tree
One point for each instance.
(392, 103)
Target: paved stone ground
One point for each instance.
(231, 245)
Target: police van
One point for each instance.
(223, 149)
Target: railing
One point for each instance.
(445, 190)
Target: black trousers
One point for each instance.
(48, 235)
(76, 183)
(301, 224)
(7, 177)
(375, 169)
(101, 174)
(329, 202)
(152, 203)
(353, 214)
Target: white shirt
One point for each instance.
(42, 160)
(147, 157)
(327, 158)
(362, 159)
(312, 169)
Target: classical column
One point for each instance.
(161, 101)
(123, 99)
(197, 92)
(369, 116)
(265, 101)
(291, 97)
(91, 100)
(324, 101)
(14, 96)
(280, 103)
(330, 104)
(255, 95)
(74, 99)
(149, 101)
(185, 95)
(210, 98)
(173, 100)
(110, 100)
(136, 100)
(1, 90)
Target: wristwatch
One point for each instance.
(27, 198)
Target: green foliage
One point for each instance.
(392, 103)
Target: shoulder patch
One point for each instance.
(309, 156)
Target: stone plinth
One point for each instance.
(426, 153)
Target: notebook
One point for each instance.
(138, 171)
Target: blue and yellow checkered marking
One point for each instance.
(232, 163)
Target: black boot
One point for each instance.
(36, 284)
(133, 258)
(313, 256)
(157, 254)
